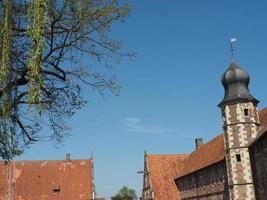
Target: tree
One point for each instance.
(125, 194)
(43, 47)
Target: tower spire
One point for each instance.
(232, 40)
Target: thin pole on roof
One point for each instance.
(232, 40)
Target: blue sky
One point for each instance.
(170, 91)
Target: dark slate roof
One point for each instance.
(235, 82)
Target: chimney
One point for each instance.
(68, 159)
(198, 142)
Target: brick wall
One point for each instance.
(259, 167)
(208, 183)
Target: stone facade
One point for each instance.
(259, 166)
(241, 126)
(205, 184)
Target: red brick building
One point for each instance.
(47, 180)
(232, 166)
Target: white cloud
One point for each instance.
(132, 120)
(133, 124)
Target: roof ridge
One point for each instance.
(89, 159)
(169, 154)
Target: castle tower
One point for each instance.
(241, 126)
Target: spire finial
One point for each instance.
(232, 40)
(145, 152)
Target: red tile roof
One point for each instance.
(213, 151)
(209, 153)
(162, 170)
(47, 180)
(263, 120)
(263, 128)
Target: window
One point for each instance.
(238, 157)
(223, 116)
(56, 188)
(245, 111)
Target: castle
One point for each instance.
(232, 166)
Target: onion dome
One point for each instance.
(235, 82)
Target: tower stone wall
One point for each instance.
(241, 126)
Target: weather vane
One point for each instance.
(232, 40)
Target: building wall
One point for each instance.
(259, 167)
(205, 184)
